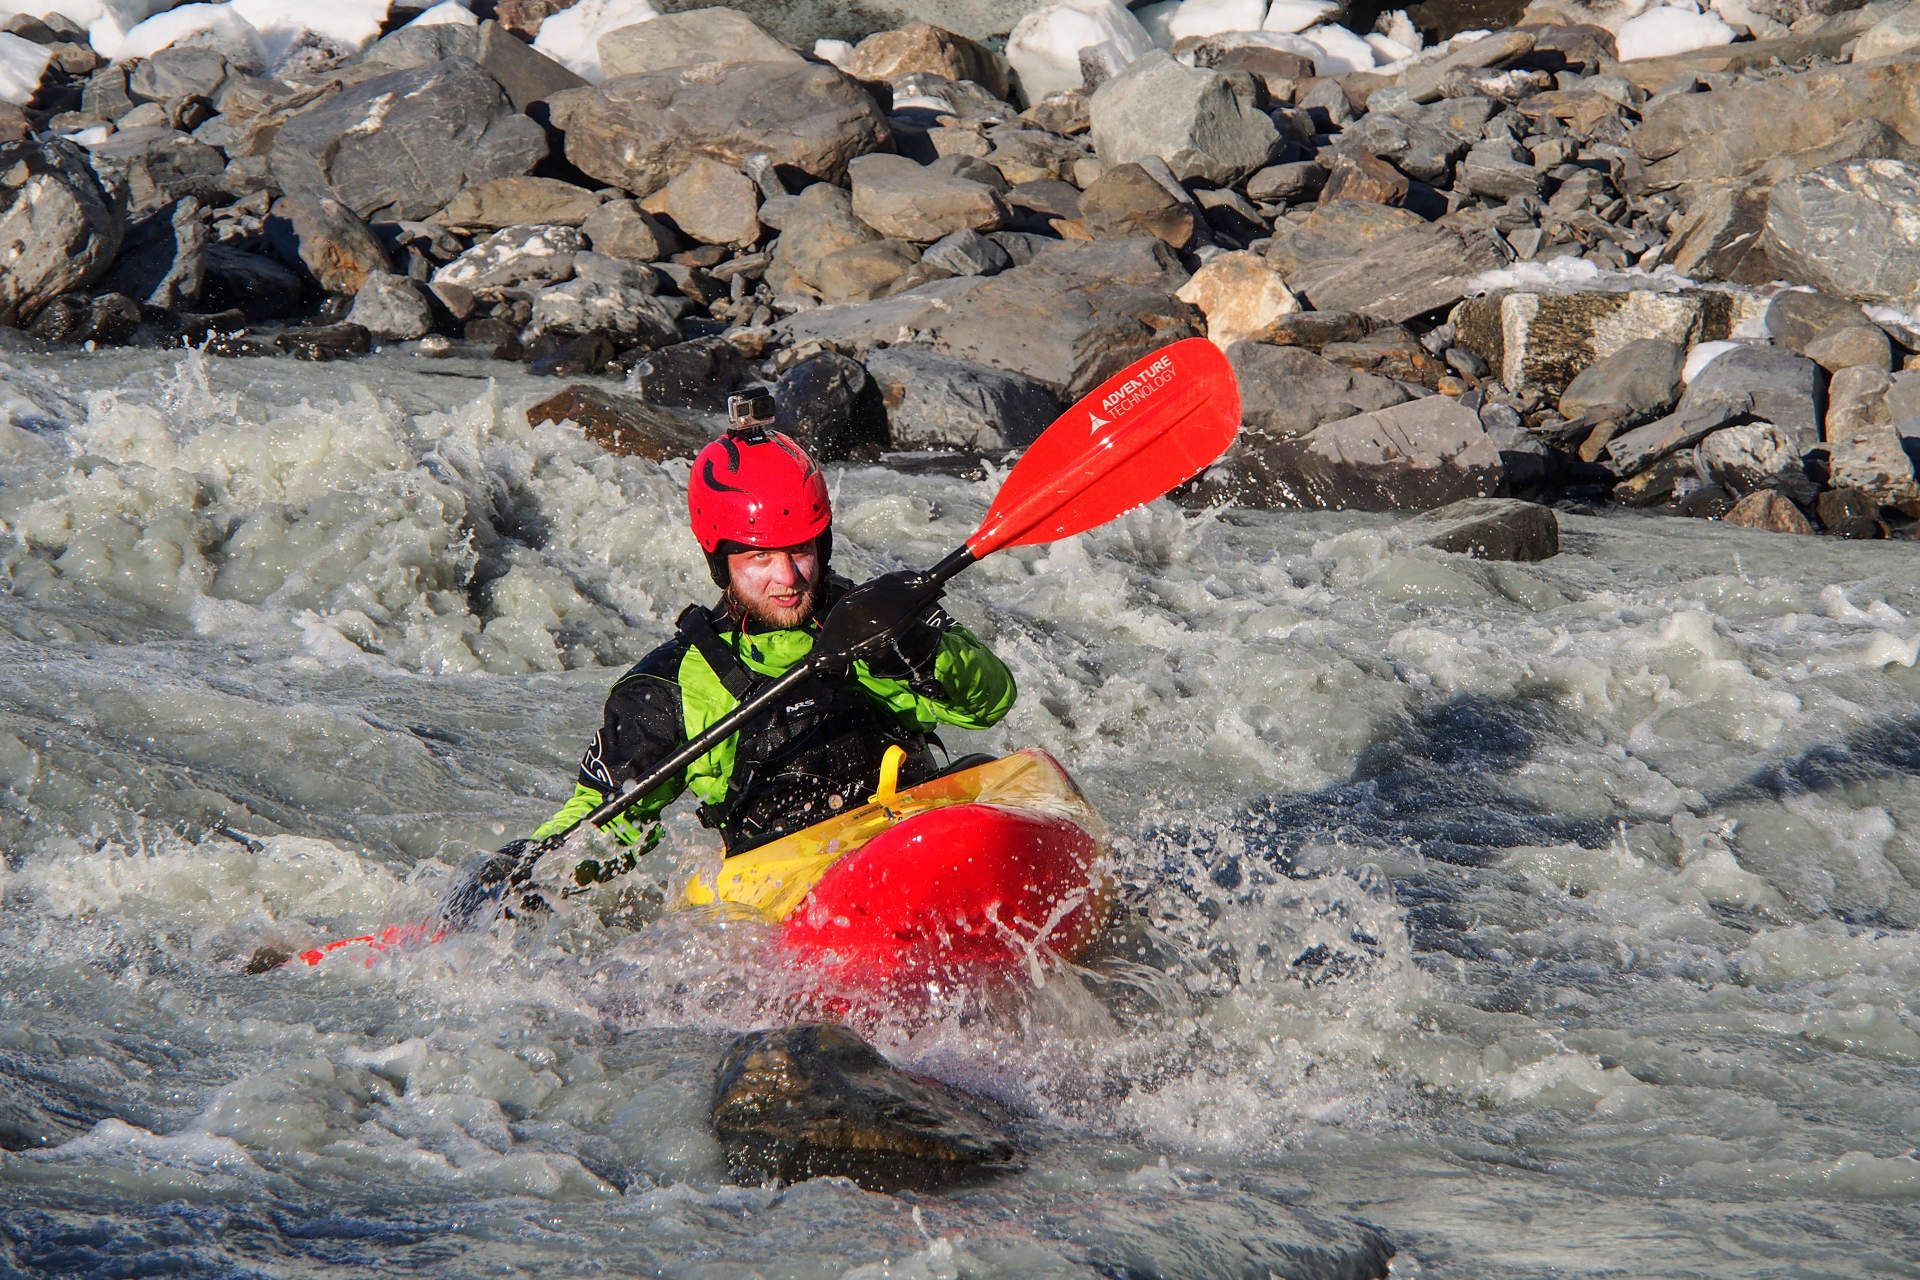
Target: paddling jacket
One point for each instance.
(811, 755)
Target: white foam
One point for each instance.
(22, 64)
(1671, 29)
(1045, 46)
(572, 36)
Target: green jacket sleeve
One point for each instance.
(975, 689)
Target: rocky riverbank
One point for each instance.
(1603, 254)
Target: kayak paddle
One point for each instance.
(1146, 429)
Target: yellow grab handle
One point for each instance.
(890, 763)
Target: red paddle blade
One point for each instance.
(1154, 424)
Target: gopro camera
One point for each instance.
(751, 408)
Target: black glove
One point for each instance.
(902, 603)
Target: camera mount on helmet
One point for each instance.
(751, 410)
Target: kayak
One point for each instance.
(968, 877)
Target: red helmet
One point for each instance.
(755, 487)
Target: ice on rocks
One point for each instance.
(1045, 46)
(1671, 29)
(22, 63)
(1293, 16)
(1340, 50)
(1212, 17)
(259, 34)
(572, 36)
(446, 13)
(208, 26)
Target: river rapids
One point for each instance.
(1556, 919)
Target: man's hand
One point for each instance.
(870, 620)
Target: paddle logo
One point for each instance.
(1095, 422)
(1134, 392)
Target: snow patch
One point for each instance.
(22, 63)
(572, 36)
(1044, 48)
(1340, 50)
(1671, 29)
(447, 13)
(1293, 16)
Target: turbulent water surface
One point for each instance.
(1557, 919)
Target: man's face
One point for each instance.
(775, 588)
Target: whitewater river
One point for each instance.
(1555, 919)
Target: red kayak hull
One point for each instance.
(967, 893)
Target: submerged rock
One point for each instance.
(815, 1101)
(1488, 529)
(621, 424)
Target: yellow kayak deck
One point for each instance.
(774, 878)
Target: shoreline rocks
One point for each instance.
(1440, 266)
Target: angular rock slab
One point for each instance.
(1849, 229)
(59, 228)
(938, 402)
(815, 1101)
(1412, 457)
(1240, 294)
(1641, 377)
(621, 424)
(1403, 276)
(323, 234)
(1769, 511)
(1187, 116)
(1288, 391)
(636, 132)
(1487, 529)
(400, 146)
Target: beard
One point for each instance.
(764, 613)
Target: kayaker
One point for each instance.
(760, 511)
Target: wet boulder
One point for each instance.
(621, 424)
(59, 227)
(815, 1100)
(1188, 116)
(636, 132)
(1849, 229)
(937, 402)
(1411, 457)
(1751, 456)
(107, 320)
(830, 405)
(1487, 529)
(698, 374)
(401, 145)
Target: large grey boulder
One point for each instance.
(1795, 317)
(59, 227)
(1850, 229)
(1332, 233)
(162, 262)
(400, 146)
(681, 39)
(1640, 378)
(1719, 237)
(1895, 34)
(937, 402)
(1127, 200)
(1403, 276)
(1188, 116)
(1288, 391)
(711, 202)
(323, 235)
(636, 132)
(907, 201)
(156, 165)
(815, 1100)
(1865, 448)
(178, 71)
(1070, 316)
(1411, 457)
(527, 76)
